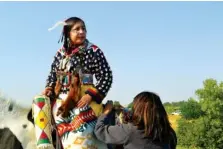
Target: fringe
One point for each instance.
(45, 146)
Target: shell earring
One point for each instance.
(68, 43)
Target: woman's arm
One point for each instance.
(103, 75)
(118, 134)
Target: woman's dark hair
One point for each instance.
(67, 28)
(149, 115)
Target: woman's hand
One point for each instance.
(108, 107)
(85, 100)
(48, 91)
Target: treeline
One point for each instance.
(173, 106)
(201, 125)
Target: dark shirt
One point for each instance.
(93, 60)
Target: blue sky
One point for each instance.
(166, 47)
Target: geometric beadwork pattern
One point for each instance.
(40, 102)
(79, 140)
(42, 120)
(43, 139)
(76, 131)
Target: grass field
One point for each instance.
(173, 120)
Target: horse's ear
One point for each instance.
(30, 116)
(10, 107)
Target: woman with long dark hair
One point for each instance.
(148, 128)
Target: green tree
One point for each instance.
(191, 109)
(130, 105)
(206, 131)
(173, 106)
(189, 132)
(211, 99)
(170, 108)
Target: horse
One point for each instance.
(17, 130)
(16, 126)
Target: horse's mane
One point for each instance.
(9, 108)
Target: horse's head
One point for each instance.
(16, 122)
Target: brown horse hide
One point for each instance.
(73, 95)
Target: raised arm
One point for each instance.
(118, 134)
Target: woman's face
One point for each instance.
(78, 34)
